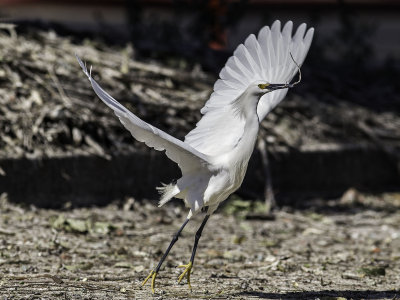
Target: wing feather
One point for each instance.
(187, 158)
(286, 37)
(265, 57)
(245, 58)
(252, 47)
(230, 75)
(264, 39)
(275, 40)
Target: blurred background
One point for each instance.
(338, 131)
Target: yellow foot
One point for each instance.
(187, 271)
(153, 280)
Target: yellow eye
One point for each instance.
(263, 86)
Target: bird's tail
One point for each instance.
(167, 192)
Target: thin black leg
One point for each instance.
(154, 272)
(174, 239)
(197, 238)
(189, 266)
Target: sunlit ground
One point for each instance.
(343, 248)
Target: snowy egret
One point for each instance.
(213, 157)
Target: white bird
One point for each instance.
(213, 157)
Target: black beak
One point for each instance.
(278, 86)
(273, 87)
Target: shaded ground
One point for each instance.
(47, 107)
(342, 248)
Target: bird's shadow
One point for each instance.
(367, 294)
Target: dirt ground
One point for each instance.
(336, 249)
(48, 109)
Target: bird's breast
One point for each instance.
(230, 168)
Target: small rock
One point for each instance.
(123, 264)
(76, 136)
(234, 255)
(138, 269)
(351, 197)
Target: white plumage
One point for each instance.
(212, 165)
(213, 157)
(266, 58)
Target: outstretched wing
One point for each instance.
(187, 158)
(267, 58)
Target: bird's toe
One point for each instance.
(153, 275)
(187, 271)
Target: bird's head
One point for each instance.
(262, 87)
(259, 88)
(250, 98)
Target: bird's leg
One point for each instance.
(188, 267)
(154, 272)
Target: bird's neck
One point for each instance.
(250, 132)
(246, 106)
(241, 154)
(245, 146)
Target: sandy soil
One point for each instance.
(348, 248)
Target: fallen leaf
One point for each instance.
(75, 225)
(138, 269)
(373, 271)
(81, 266)
(238, 240)
(123, 264)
